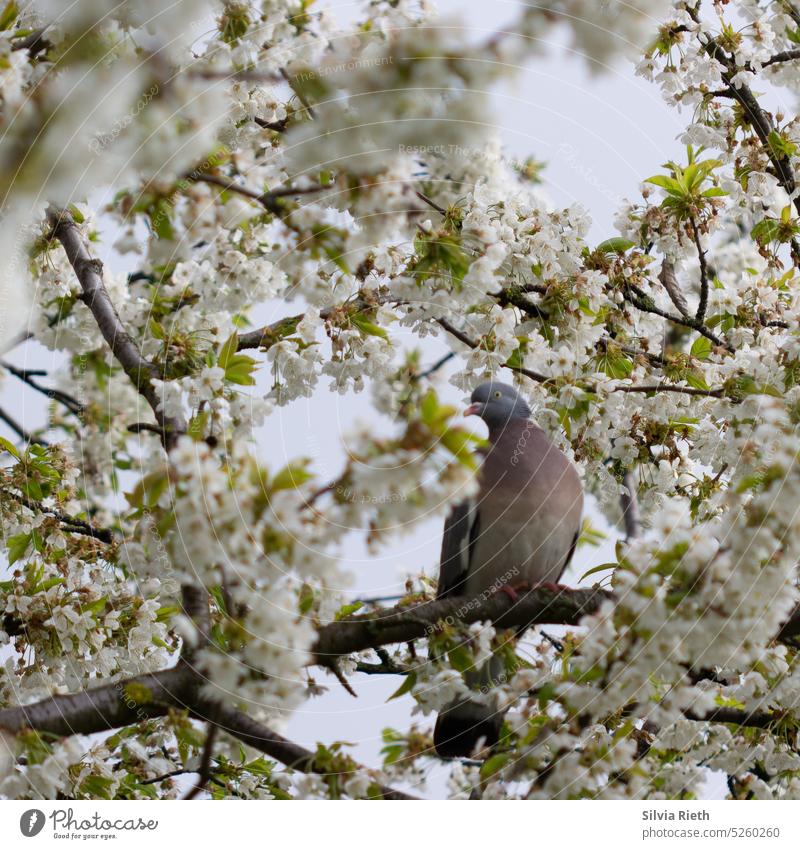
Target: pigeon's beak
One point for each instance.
(473, 410)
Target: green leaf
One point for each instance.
(238, 367)
(197, 426)
(8, 446)
(240, 371)
(461, 659)
(781, 146)
(603, 567)
(9, 15)
(17, 546)
(428, 406)
(405, 687)
(701, 348)
(96, 607)
(459, 444)
(494, 764)
(767, 230)
(43, 586)
(228, 350)
(696, 380)
(671, 186)
(160, 219)
(291, 476)
(615, 245)
(348, 610)
(366, 326)
(615, 364)
(157, 330)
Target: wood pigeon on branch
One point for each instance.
(519, 531)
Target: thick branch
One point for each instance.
(783, 56)
(103, 708)
(544, 604)
(147, 696)
(90, 275)
(254, 734)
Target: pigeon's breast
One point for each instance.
(530, 504)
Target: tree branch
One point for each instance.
(540, 378)
(204, 772)
(147, 696)
(269, 200)
(700, 315)
(471, 343)
(432, 369)
(630, 507)
(103, 708)
(545, 604)
(645, 304)
(783, 56)
(258, 736)
(24, 435)
(27, 376)
(669, 387)
(90, 275)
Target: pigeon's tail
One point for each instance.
(462, 726)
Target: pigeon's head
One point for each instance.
(497, 404)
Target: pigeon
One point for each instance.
(519, 531)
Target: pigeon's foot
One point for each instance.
(513, 590)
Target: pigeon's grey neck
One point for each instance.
(505, 426)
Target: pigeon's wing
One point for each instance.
(570, 553)
(461, 529)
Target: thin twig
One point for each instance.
(638, 298)
(269, 200)
(630, 507)
(300, 96)
(462, 337)
(435, 367)
(431, 203)
(28, 376)
(668, 387)
(204, 773)
(73, 524)
(703, 303)
(25, 435)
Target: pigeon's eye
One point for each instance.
(498, 394)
